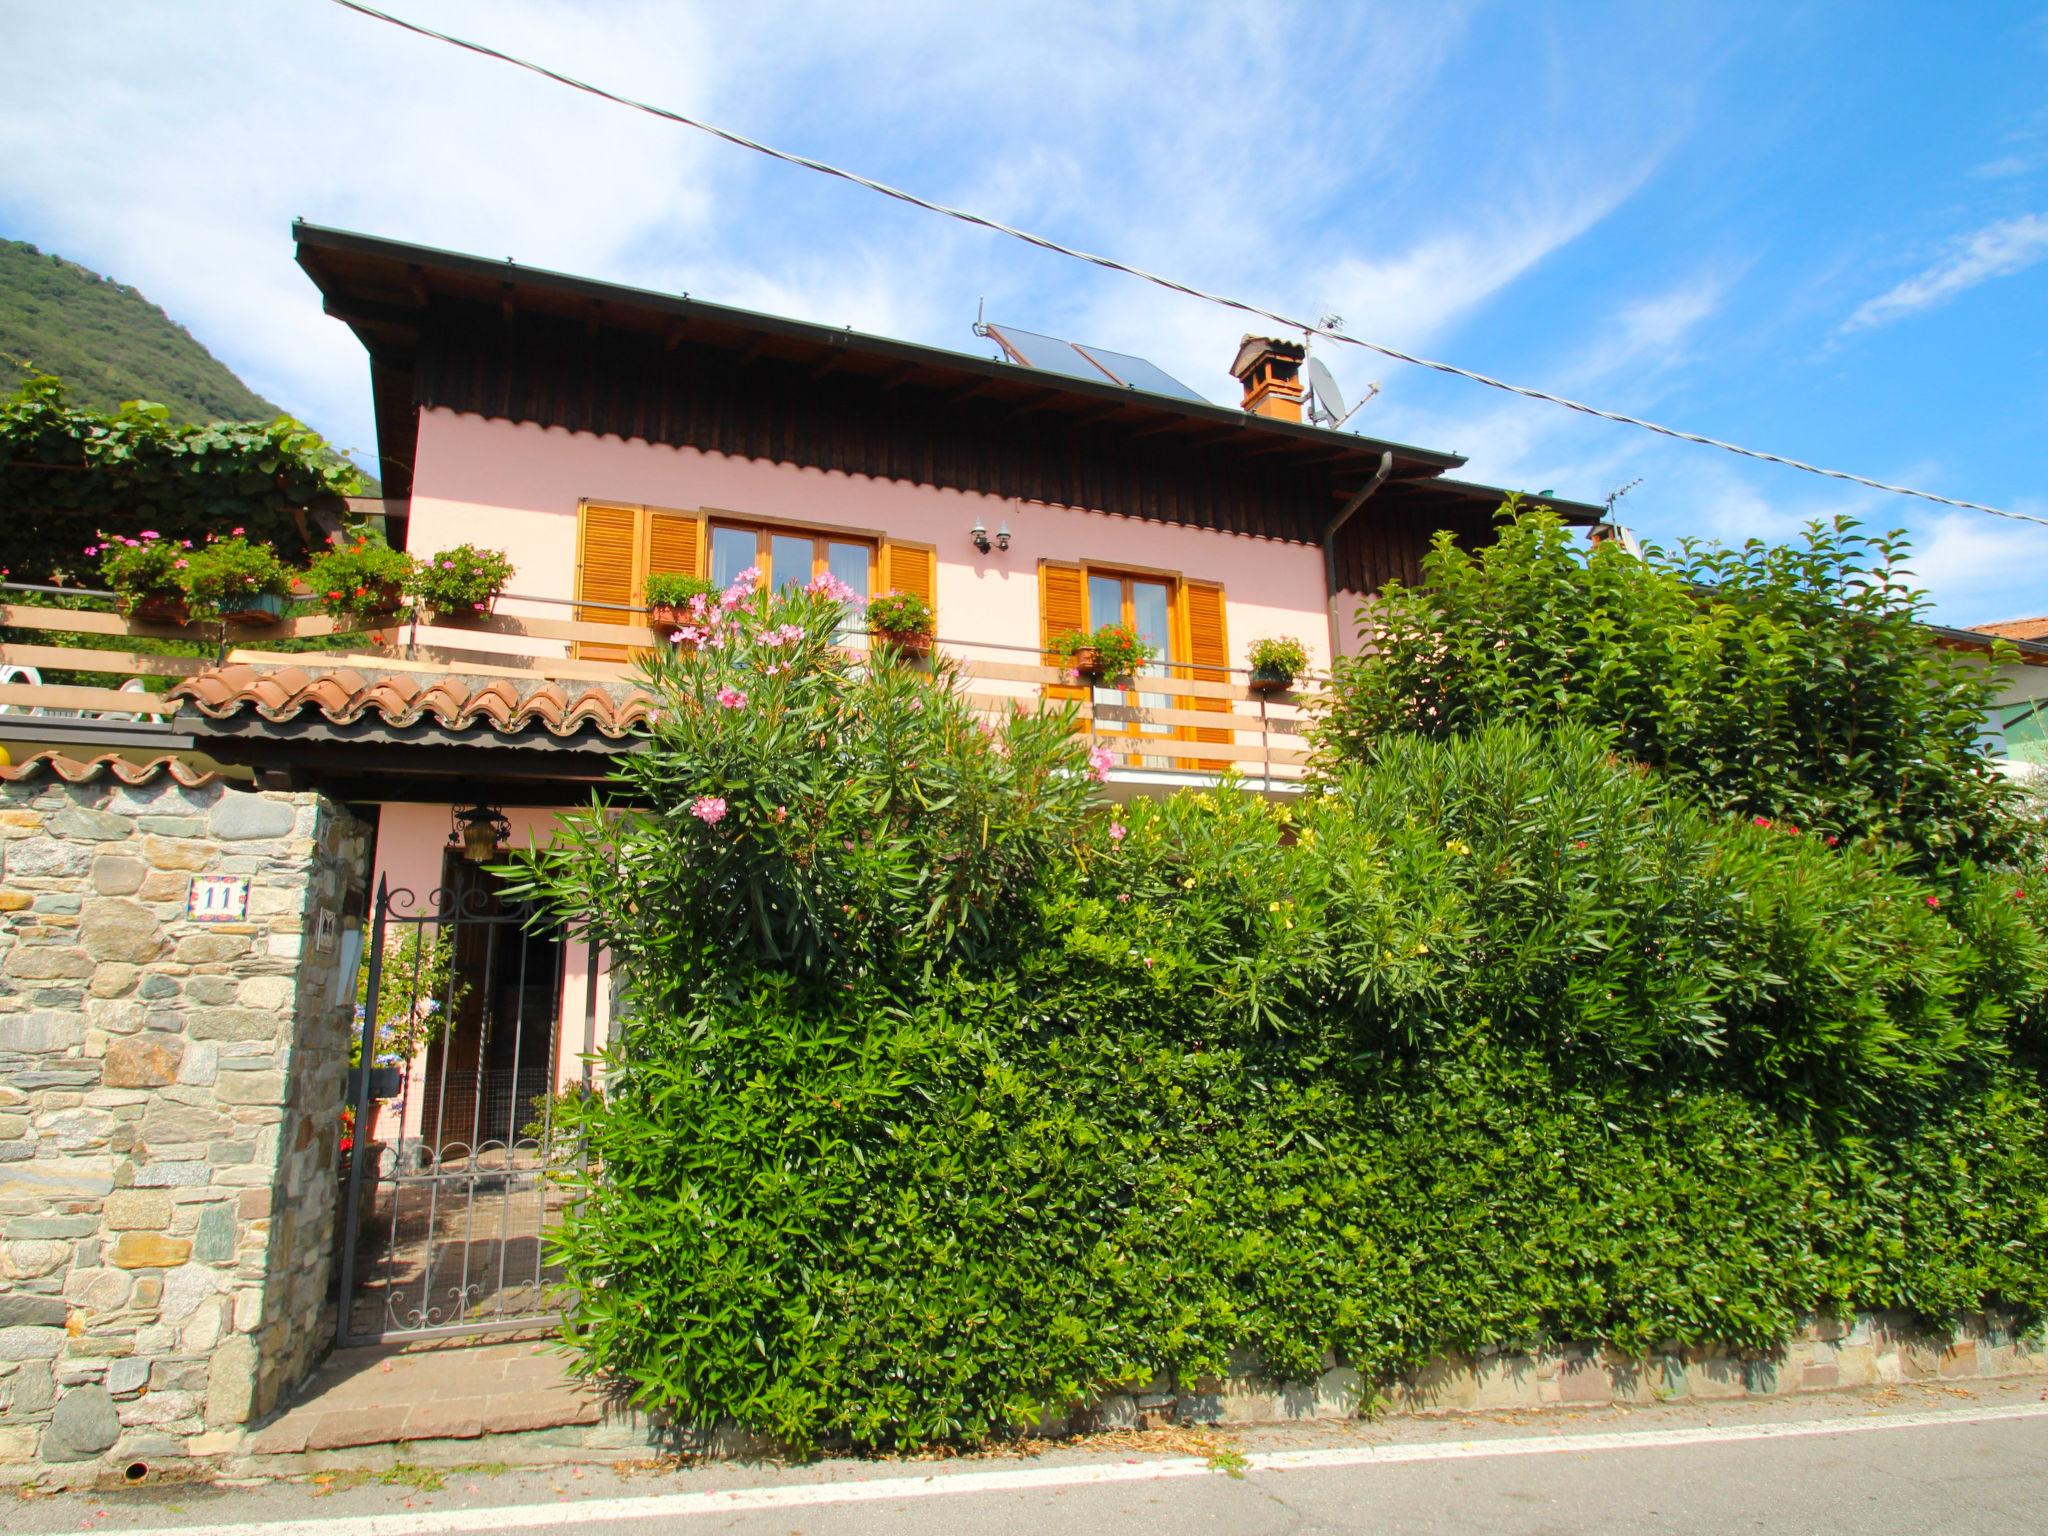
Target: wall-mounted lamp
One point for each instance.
(1003, 537)
(978, 536)
(481, 833)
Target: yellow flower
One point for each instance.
(1272, 906)
(1457, 846)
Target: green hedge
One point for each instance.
(1492, 1041)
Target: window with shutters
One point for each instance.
(620, 546)
(1182, 618)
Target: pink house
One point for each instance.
(601, 434)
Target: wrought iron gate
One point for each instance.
(454, 1156)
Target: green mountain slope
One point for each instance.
(108, 343)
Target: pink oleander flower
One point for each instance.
(709, 809)
(1933, 901)
(825, 584)
(1117, 831)
(1123, 896)
(1099, 759)
(731, 697)
(235, 532)
(149, 533)
(782, 813)
(1761, 821)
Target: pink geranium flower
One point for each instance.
(709, 809)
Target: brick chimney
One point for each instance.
(1270, 370)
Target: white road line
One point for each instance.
(1026, 1479)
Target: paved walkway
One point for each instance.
(386, 1393)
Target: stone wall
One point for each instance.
(169, 1110)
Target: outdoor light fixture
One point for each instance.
(978, 536)
(481, 832)
(1003, 537)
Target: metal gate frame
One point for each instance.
(459, 1177)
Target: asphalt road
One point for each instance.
(1908, 1460)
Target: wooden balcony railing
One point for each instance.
(1185, 720)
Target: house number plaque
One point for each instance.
(218, 899)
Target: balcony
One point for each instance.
(1175, 728)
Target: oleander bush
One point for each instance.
(948, 1101)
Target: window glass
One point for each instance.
(1105, 600)
(789, 560)
(849, 562)
(732, 551)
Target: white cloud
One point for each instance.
(1997, 250)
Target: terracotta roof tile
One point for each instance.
(344, 695)
(2017, 629)
(72, 771)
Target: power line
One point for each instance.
(982, 221)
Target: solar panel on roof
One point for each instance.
(1098, 365)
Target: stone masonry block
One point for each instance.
(138, 1210)
(150, 1250)
(241, 816)
(115, 874)
(143, 1061)
(116, 928)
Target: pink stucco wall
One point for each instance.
(516, 486)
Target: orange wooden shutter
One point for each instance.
(675, 544)
(1208, 660)
(1062, 605)
(605, 573)
(911, 568)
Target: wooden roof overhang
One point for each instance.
(518, 343)
(370, 761)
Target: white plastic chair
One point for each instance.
(13, 674)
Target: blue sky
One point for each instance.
(1818, 229)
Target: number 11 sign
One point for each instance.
(218, 899)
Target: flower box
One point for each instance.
(253, 610)
(463, 618)
(1270, 680)
(911, 645)
(156, 607)
(386, 1082)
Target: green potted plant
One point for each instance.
(1276, 662)
(238, 582)
(668, 597)
(460, 585)
(904, 621)
(1109, 655)
(359, 578)
(146, 575)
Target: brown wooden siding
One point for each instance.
(588, 377)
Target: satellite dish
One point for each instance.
(1326, 401)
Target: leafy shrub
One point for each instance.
(359, 576)
(943, 1105)
(1111, 652)
(461, 580)
(1791, 682)
(223, 571)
